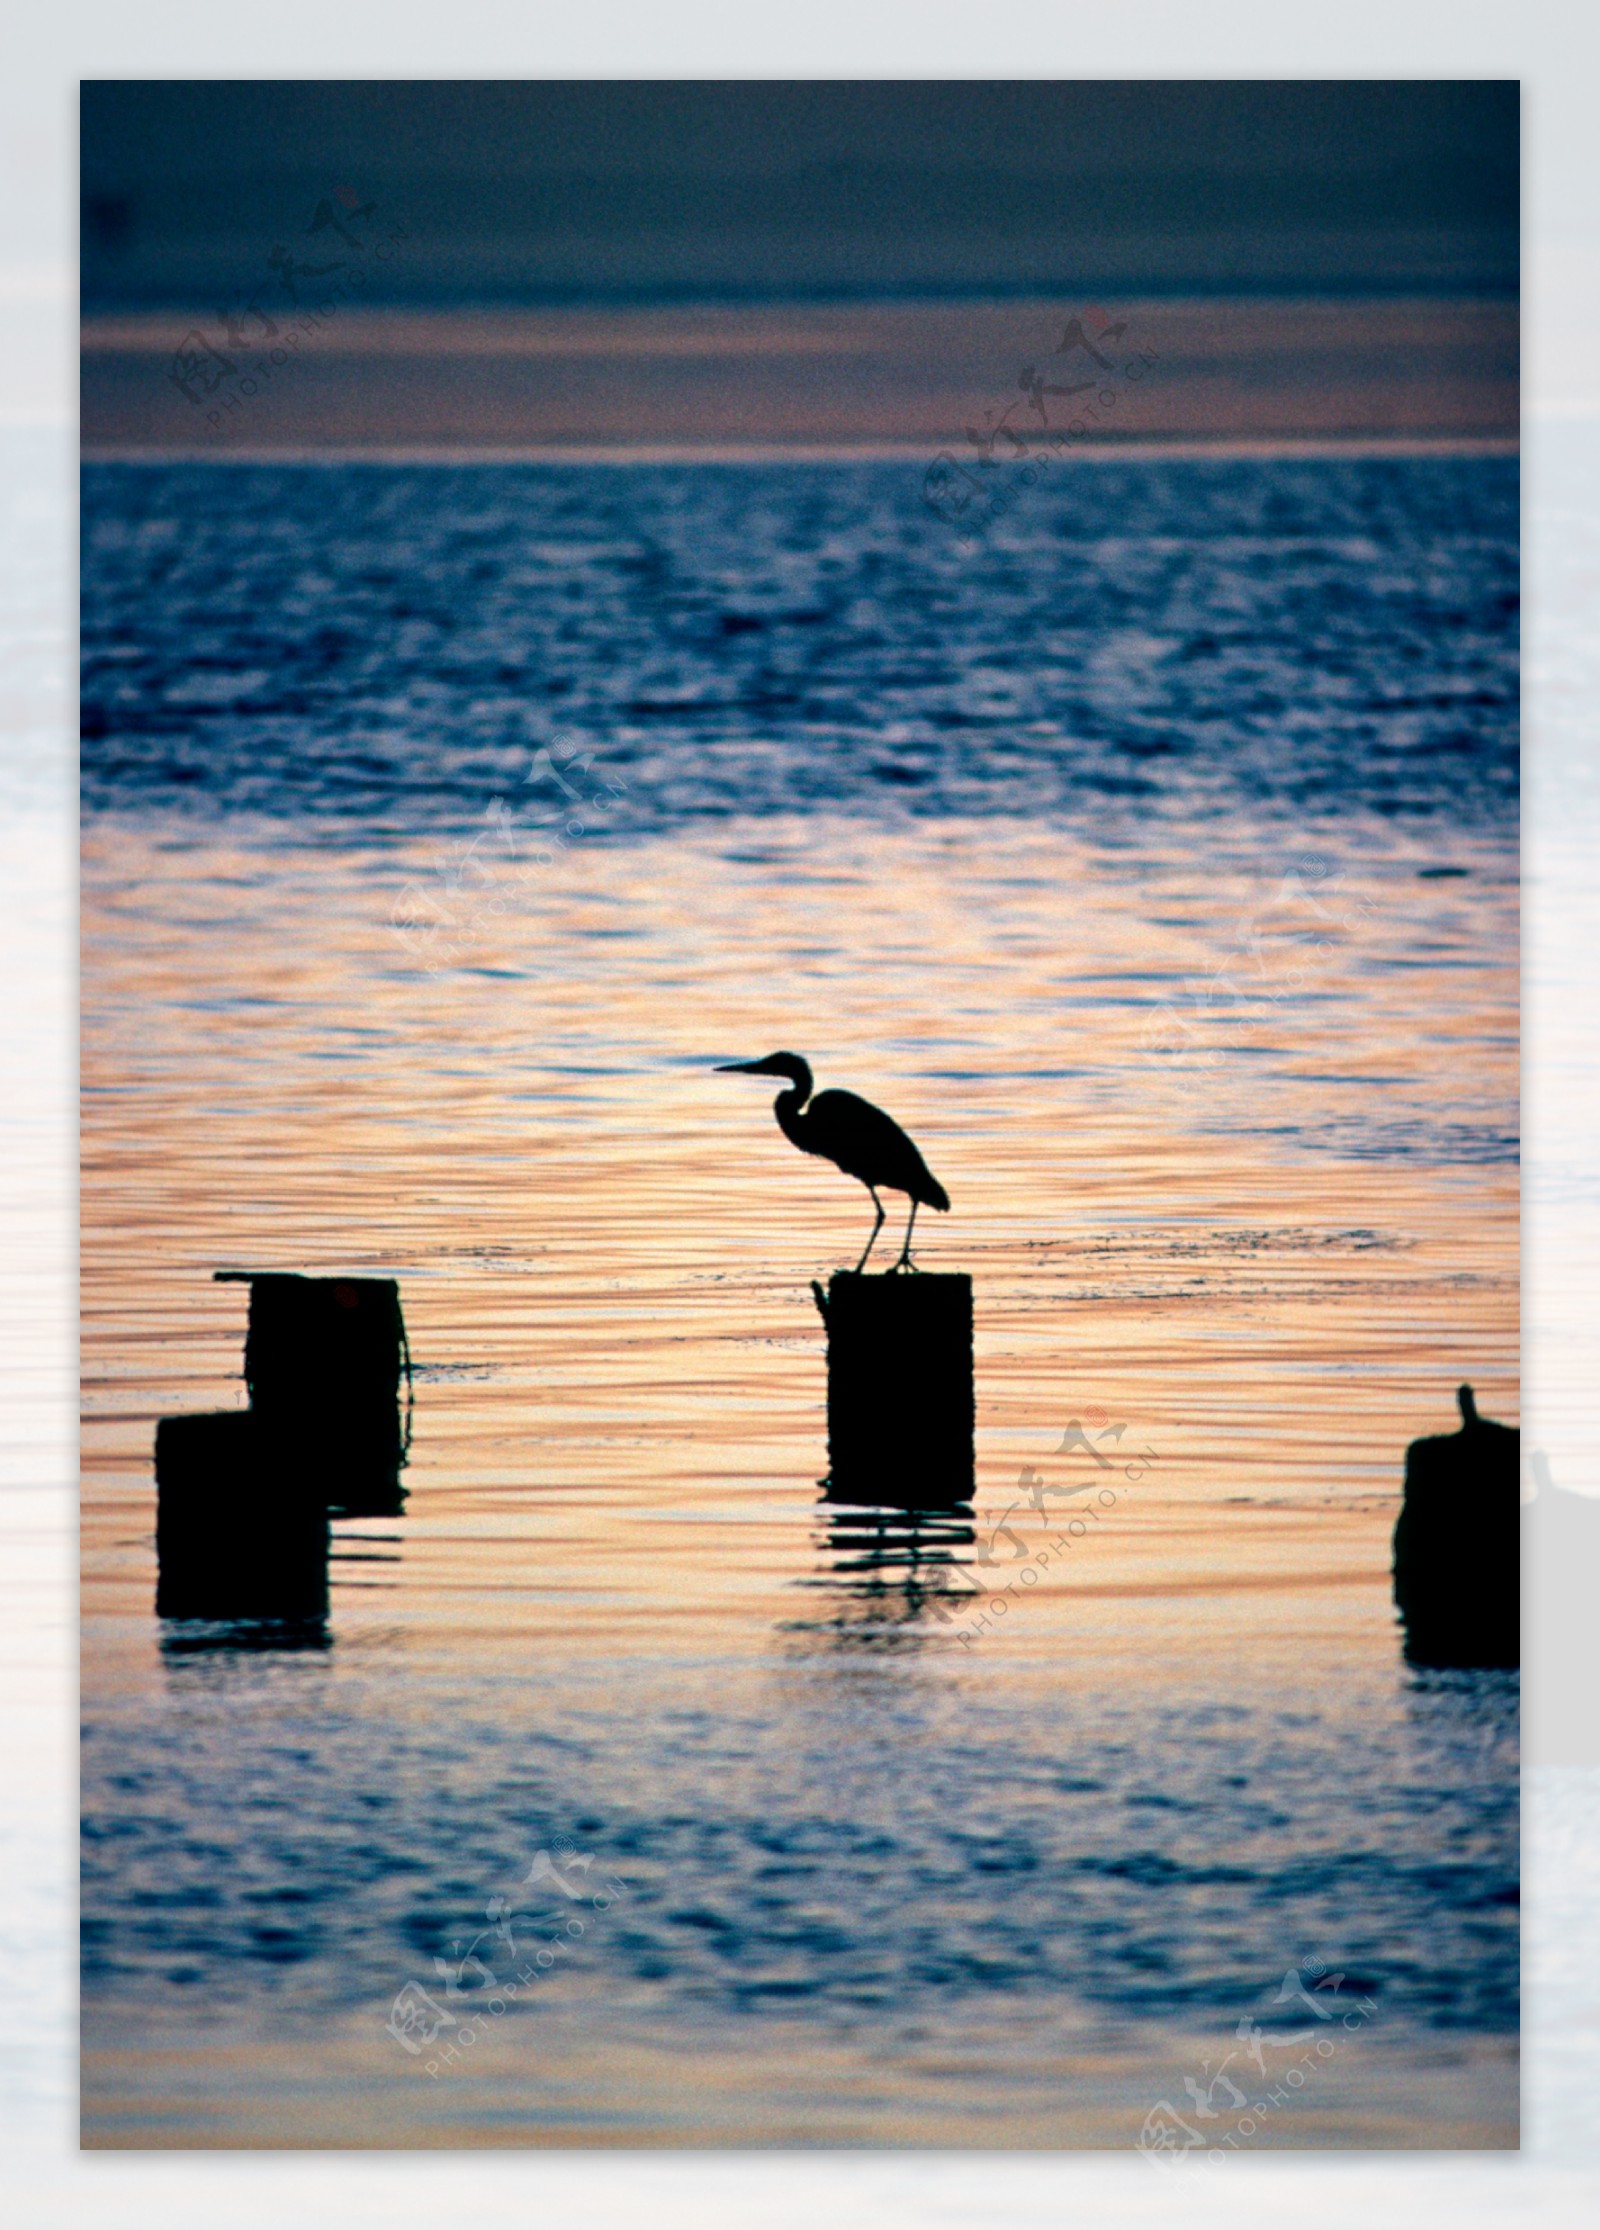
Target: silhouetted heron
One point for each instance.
(843, 1128)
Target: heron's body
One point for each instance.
(866, 1143)
(859, 1138)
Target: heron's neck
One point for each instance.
(787, 1108)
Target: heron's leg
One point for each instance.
(905, 1262)
(877, 1227)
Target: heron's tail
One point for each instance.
(935, 1196)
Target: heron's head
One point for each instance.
(789, 1065)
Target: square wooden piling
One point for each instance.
(901, 1406)
(322, 1343)
(239, 1534)
(323, 1359)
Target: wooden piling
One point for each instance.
(237, 1534)
(243, 1496)
(324, 1359)
(900, 1389)
(1458, 1545)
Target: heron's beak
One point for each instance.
(742, 1068)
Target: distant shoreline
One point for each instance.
(892, 378)
(1108, 451)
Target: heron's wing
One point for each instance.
(870, 1145)
(849, 1129)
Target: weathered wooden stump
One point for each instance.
(900, 1390)
(1458, 1545)
(236, 1535)
(243, 1496)
(323, 1359)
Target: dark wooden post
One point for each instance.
(243, 1496)
(236, 1536)
(900, 1391)
(323, 1359)
(1458, 1545)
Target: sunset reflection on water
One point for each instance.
(1269, 1240)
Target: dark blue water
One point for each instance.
(1174, 638)
(810, 1841)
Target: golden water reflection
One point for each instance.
(1270, 1261)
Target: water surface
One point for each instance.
(1157, 871)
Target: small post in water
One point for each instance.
(901, 1407)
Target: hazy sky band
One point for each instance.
(597, 191)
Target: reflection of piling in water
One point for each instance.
(900, 1389)
(891, 1567)
(1457, 1545)
(243, 1497)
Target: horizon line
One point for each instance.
(1100, 451)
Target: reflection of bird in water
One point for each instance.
(843, 1128)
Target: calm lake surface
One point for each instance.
(1156, 866)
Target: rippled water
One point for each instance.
(1156, 869)
(1173, 638)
